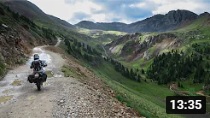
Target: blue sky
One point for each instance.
(126, 11)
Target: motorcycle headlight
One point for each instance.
(36, 75)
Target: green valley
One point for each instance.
(190, 42)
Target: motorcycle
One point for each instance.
(38, 77)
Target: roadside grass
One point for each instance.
(16, 83)
(4, 99)
(148, 98)
(69, 72)
(49, 73)
(74, 72)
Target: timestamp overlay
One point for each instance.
(185, 104)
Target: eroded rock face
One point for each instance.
(16, 44)
(12, 47)
(133, 49)
(159, 43)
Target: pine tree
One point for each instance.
(142, 71)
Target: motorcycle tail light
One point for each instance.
(36, 75)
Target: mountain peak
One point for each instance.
(178, 16)
(204, 14)
(85, 21)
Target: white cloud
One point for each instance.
(99, 17)
(139, 5)
(126, 11)
(163, 6)
(66, 9)
(54, 7)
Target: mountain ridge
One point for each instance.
(101, 25)
(157, 23)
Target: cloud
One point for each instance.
(197, 6)
(120, 10)
(78, 16)
(71, 1)
(68, 9)
(126, 11)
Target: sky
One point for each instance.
(127, 11)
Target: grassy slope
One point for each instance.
(146, 97)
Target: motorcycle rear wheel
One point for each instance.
(38, 86)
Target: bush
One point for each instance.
(2, 11)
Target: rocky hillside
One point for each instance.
(135, 46)
(156, 23)
(17, 35)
